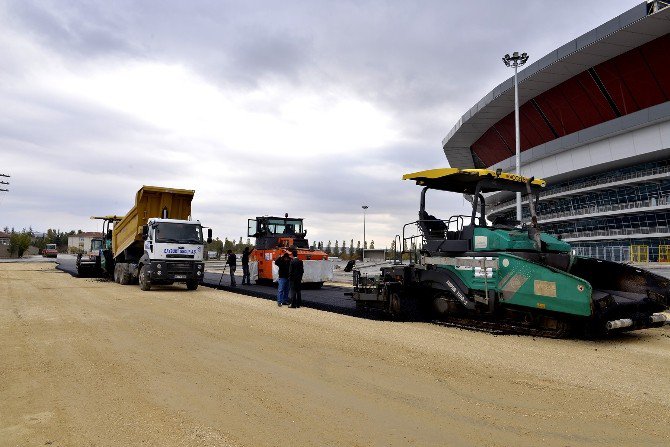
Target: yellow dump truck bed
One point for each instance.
(150, 202)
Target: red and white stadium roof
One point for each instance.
(613, 71)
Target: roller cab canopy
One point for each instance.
(466, 180)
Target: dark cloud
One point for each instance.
(82, 29)
(421, 63)
(403, 54)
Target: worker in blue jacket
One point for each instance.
(283, 262)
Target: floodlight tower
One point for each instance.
(516, 60)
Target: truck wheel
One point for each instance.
(145, 281)
(125, 277)
(403, 307)
(192, 284)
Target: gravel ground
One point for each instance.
(87, 362)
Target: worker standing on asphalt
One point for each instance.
(232, 263)
(295, 279)
(283, 263)
(246, 277)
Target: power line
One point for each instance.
(4, 183)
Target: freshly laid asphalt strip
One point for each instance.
(328, 298)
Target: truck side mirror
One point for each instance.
(209, 235)
(145, 232)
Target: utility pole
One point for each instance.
(2, 182)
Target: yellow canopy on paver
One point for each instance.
(466, 180)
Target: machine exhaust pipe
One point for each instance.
(658, 318)
(654, 319)
(619, 324)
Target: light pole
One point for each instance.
(516, 60)
(364, 208)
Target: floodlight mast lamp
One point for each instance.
(516, 60)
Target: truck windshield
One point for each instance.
(51, 246)
(282, 226)
(96, 244)
(179, 233)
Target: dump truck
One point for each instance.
(88, 264)
(278, 235)
(505, 275)
(156, 242)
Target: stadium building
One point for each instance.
(595, 123)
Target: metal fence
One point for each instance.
(619, 253)
(637, 253)
(615, 179)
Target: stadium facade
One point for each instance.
(595, 123)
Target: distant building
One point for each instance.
(81, 242)
(4, 245)
(374, 254)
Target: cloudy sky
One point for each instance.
(263, 107)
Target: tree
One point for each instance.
(365, 245)
(359, 253)
(372, 245)
(351, 249)
(328, 248)
(337, 248)
(19, 243)
(216, 245)
(228, 245)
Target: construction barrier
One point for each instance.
(639, 253)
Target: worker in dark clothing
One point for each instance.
(282, 263)
(231, 261)
(295, 279)
(246, 276)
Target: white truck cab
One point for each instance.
(173, 252)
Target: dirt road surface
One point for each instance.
(90, 363)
